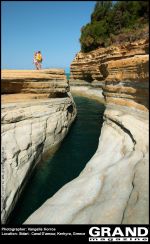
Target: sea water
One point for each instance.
(67, 163)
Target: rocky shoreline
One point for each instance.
(120, 71)
(113, 187)
(36, 116)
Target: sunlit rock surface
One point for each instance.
(121, 71)
(31, 125)
(113, 187)
(48, 82)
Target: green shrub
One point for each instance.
(109, 20)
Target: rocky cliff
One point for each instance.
(121, 71)
(113, 187)
(37, 111)
(49, 82)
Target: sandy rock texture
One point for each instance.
(121, 71)
(49, 82)
(113, 187)
(31, 126)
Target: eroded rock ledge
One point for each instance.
(121, 71)
(49, 82)
(113, 187)
(37, 111)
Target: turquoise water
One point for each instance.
(75, 151)
(68, 76)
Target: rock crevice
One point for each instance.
(31, 127)
(113, 187)
(104, 191)
(124, 129)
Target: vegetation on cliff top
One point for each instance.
(115, 23)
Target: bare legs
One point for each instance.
(38, 65)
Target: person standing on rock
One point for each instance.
(35, 61)
(39, 59)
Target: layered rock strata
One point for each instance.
(49, 82)
(113, 187)
(31, 126)
(121, 71)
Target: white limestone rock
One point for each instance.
(112, 188)
(29, 129)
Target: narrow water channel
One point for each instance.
(75, 151)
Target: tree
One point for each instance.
(110, 19)
(101, 10)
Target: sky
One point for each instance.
(52, 27)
